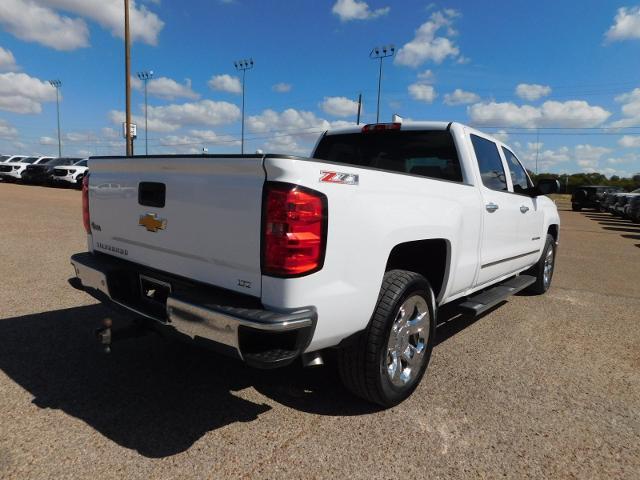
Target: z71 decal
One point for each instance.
(338, 177)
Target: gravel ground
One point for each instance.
(540, 387)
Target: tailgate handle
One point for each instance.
(152, 194)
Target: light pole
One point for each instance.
(145, 77)
(380, 53)
(127, 81)
(243, 65)
(57, 84)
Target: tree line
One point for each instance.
(568, 183)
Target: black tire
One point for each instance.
(362, 363)
(541, 286)
(576, 208)
(580, 196)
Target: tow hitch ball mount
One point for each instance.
(104, 335)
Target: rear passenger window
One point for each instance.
(518, 175)
(426, 153)
(490, 163)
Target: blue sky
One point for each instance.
(565, 73)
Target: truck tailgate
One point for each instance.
(208, 229)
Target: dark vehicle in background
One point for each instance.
(42, 173)
(589, 196)
(608, 201)
(634, 209)
(621, 201)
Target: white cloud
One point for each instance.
(427, 77)
(501, 135)
(286, 144)
(356, 10)
(281, 87)
(532, 91)
(32, 22)
(573, 113)
(110, 133)
(169, 118)
(209, 136)
(339, 106)
(291, 130)
(39, 21)
(625, 159)
(48, 141)
(20, 93)
(629, 141)
(7, 60)
(7, 130)
(630, 109)
(461, 97)
(225, 83)
(167, 88)
(199, 138)
(626, 25)
(546, 159)
(144, 25)
(589, 155)
(423, 92)
(426, 45)
(80, 137)
(289, 119)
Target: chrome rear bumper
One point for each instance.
(231, 326)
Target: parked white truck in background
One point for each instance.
(273, 257)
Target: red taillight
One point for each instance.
(85, 204)
(294, 224)
(379, 127)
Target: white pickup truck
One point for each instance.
(274, 257)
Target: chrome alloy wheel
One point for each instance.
(408, 341)
(548, 268)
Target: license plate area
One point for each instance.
(154, 294)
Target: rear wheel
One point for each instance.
(543, 270)
(385, 363)
(576, 208)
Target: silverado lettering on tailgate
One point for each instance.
(111, 248)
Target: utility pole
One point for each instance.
(243, 66)
(145, 77)
(359, 108)
(57, 84)
(380, 53)
(127, 69)
(537, 147)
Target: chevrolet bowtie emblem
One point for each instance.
(152, 223)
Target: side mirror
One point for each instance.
(546, 186)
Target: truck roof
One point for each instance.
(406, 125)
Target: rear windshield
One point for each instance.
(426, 153)
(4, 157)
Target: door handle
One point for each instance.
(491, 207)
(524, 209)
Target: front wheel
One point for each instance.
(385, 363)
(543, 270)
